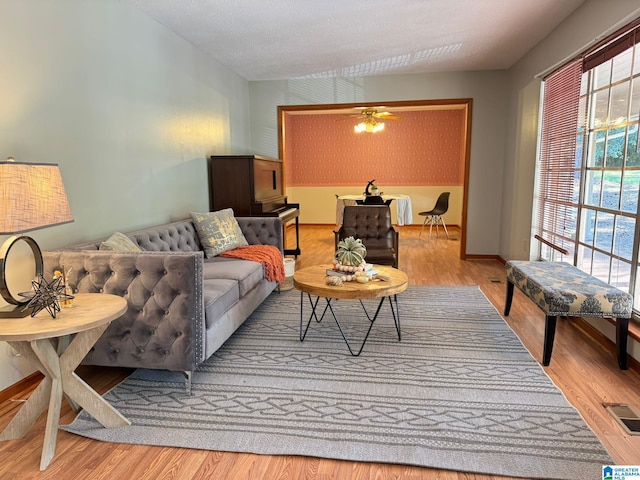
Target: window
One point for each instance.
(589, 168)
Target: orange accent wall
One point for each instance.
(423, 148)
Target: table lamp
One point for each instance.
(32, 196)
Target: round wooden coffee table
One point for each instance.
(311, 281)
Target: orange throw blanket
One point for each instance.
(268, 255)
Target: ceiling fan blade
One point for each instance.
(372, 113)
(387, 116)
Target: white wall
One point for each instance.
(128, 109)
(489, 93)
(583, 27)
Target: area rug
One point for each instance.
(458, 392)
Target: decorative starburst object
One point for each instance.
(47, 295)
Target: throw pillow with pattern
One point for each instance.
(218, 231)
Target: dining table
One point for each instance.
(402, 202)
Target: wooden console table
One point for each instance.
(56, 346)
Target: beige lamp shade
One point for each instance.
(32, 196)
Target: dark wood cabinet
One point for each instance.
(245, 181)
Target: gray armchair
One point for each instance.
(372, 225)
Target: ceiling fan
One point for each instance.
(371, 119)
(374, 112)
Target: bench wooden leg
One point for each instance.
(509, 298)
(549, 336)
(622, 331)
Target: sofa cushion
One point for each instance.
(248, 274)
(119, 242)
(218, 231)
(219, 296)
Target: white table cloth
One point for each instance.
(403, 206)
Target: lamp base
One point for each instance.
(17, 307)
(15, 311)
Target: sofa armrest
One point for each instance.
(262, 231)
(163, 326)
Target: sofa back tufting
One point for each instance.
(178, 236)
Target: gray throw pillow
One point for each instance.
(119, 242)
(218, 231)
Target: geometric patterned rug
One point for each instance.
(458, 392)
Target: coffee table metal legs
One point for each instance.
(328, 307)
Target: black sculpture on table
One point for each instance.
(370, 184)
(47, 295)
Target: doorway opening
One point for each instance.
(343, 119)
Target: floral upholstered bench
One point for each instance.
(560, 289)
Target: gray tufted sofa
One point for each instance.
(181, 306)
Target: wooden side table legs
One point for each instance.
(60, 379)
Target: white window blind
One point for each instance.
(559, 167)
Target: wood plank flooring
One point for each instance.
(583, 368)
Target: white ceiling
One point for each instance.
(286, 39)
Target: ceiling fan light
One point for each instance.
(370, 125)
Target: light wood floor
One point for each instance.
(582, 367)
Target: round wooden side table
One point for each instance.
(56, 346)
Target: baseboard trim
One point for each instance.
(481, 257)
(20, 386)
